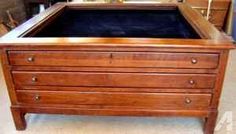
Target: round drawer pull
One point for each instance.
(30, 59)
(188, 100)
(194, 61)
(191, 82)
(37, 98)
(34, 79)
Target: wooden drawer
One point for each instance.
(132, 100)
(113, 59)
(95, 79)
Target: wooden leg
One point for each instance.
(210, 123)
(19, 119)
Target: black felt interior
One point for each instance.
(119, 23)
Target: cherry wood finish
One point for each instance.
(114, 59)
(131, 100)
(94, 79)
(210, 122)
(115, 76)
(19, 119)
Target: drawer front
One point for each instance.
(94, 79)
(114, 59)
(132, 100)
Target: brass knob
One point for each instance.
(34, 79)
(37, 97)
(188, 100)
(194, 61)
(191, 82)
(30, 59)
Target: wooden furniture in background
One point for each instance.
(31, 4)
(218, 12)
(115, 76)
(12, 22)
(3, 29)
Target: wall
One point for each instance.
(16, 7)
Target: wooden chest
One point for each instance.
(115, 76)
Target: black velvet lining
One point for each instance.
(119, 23)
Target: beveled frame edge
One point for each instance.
(206, 30)
(203, 27)
(34, 22)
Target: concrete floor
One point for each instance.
(62, 124)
